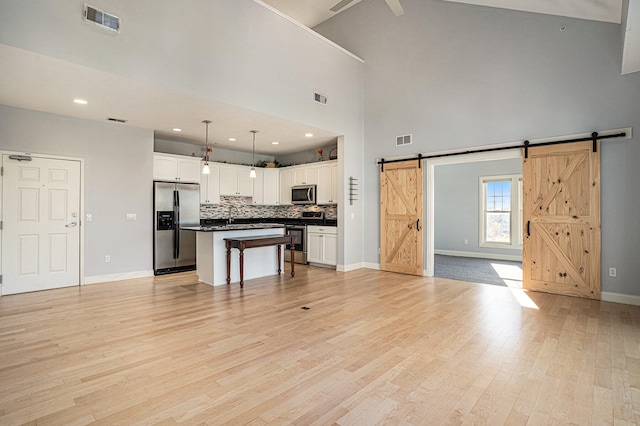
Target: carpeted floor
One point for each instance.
(484, 271)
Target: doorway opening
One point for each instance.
(474, 219)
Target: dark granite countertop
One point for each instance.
(265, 220)
(232, 227)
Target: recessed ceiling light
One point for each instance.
(308, 135)
(232, 139)
(275, 143)
(175, 129)
(80, 101)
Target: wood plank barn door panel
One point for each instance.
(401, 217)
(561, 200)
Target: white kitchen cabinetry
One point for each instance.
(286, 180)
(235, 181)
(328, 183)
(322, 245)
(265, 187)
(305, 175)
(176, 168)
(210, 185)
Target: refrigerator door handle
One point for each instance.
(176, 230)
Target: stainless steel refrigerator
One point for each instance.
(175, 205)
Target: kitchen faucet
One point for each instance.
(232, 208)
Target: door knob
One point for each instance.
(71, 225)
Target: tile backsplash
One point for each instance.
(243, 209)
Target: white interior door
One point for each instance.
(41, 224)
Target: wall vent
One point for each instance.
(320, 98)
(403, 140)
(101, 18)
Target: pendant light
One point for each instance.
(205, 168)
(252, 173)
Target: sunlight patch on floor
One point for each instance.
(511, 275)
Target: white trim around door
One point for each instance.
(80, 211)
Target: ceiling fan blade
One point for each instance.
(396, 7)
(340, 5)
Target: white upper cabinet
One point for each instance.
(305, 175)
(210, 185)
(235, 181)
(176, 168)
(327, 183)
(286, 180)
(266, 187)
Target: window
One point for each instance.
(501, 211)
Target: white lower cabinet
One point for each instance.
(322, 245)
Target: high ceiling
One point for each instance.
(38, 82)
(313, 12)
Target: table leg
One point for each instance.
(241, 267)
(228, 262)
(293, 262)
(279, 259)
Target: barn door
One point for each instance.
(401, 235)
(561, 248)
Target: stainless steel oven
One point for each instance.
(300, 247)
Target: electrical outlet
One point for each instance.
(107, 259)
(89, 217)
(613, 272)
(131, 216)
(466, 241)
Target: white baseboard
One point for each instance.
(350, 267)
(371, 265)
(627, 299)
(511, 257)
(97, 279)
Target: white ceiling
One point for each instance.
(313, 12)
(33, 81)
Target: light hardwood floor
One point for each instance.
(374, 348)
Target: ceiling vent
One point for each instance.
(403, 140)
(320, 98)
(101, 18)
(116, 120)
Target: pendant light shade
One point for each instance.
(252, 173)
(205, 168)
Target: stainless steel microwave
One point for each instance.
(303, 194)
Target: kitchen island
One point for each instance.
(211, 252)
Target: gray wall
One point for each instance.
(306, 156)
(217, 155)
(457, 75)
(118, 171)
(457, 204)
